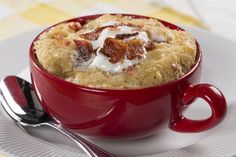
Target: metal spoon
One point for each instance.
(20, 102)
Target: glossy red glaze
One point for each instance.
(130, 113)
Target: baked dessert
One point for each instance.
(116, 52)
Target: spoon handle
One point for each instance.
(90, 149)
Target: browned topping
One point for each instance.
(135, 49)
(58, 36)
(150, 46)
(123, 36)
(90, 36)
(94, 34)
(112, 28)
(133, 25)
(100, 29)
(129, 70)
(84, 48)
(76, 26)
(114, 49)
(67, 42)
(60, 40)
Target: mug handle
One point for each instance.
(216, 100)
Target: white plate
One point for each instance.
(218, 68)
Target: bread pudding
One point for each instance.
(116, 52)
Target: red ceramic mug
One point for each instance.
(126, 113)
